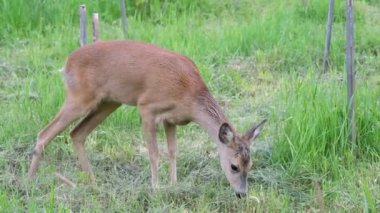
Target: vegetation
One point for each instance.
(261, 59)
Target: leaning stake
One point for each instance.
(95, 27)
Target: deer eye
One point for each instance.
(234, 168)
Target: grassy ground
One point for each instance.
(260, 58)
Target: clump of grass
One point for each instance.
(313, 129)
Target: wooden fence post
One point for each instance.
(124, 18)
(330, 18)
(305, 4)
(350, 50)
(83, 34)
(95, 27)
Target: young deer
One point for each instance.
(165, 86)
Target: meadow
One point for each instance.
(262, 59)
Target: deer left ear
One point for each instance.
(254, 131)
(226, 134)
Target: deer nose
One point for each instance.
(240, 194)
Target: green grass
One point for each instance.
(314, 128)
(261, 59)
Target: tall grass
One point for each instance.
(313, 129)
(283, 32)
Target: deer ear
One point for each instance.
(226, 135)
(254, 131)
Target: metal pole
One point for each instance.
(330, 18)
(83, 34)
(124, 18)
(350, 50)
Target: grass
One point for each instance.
(318, 142)
(261, 60)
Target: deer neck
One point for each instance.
(209, 115)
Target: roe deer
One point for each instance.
(165, 86)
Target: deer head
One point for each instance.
(234, 152)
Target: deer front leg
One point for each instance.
(172, 149)
(149, 128)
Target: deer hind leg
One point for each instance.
(172, 149)
(85, 127)
(69, 112)
(149, 128)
